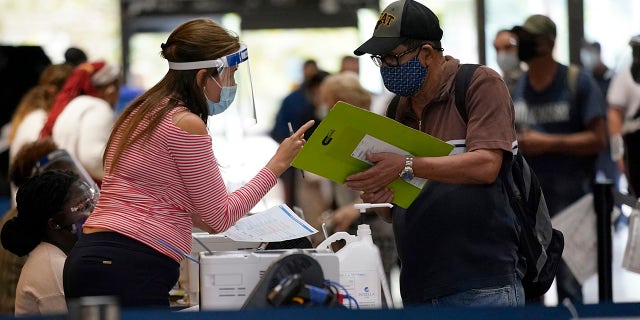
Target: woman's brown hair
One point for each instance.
(195, 40)
(41, 96)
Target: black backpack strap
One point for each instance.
(463, 78)
(393, 107)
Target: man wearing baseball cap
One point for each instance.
(561, 113)
(457, 241)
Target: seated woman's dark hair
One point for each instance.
(39, 198)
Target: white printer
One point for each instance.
(201, 242)
(227, 278)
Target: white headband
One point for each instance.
(109, 73)
(233, 59)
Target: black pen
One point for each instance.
(290, 134)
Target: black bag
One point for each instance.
(541, 246)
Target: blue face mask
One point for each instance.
(227, 94)
(406, 79)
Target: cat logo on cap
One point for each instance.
(386, 19)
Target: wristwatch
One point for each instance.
(407, 172)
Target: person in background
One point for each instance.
(74, 56)
(316, 195)
(308, 112)
(296, 108)
(83, 113)
(161, 176)
(22, 167)
(31, 113)
(51, 208)
(350, 63)
(34, 158)
(506, 45)
(562, 129)
(624, 118)
(309, 69)
(127, 94)
(591, 60)
(447, 256)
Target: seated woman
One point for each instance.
(52, 206)
(20, 169)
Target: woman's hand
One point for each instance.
(197, 222)
(288, 150)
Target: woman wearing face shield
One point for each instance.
(35, 158)
(161, 175)
(51, 208)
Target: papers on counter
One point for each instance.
(278, 223)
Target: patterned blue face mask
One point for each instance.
(406, 79)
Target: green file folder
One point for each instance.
(348, 130)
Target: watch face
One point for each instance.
(407, 175)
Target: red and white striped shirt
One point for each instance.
(159, 182)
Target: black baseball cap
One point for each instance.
(402, 20)
(537, 25)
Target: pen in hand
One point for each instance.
(291, 132)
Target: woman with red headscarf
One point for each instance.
(82, 115)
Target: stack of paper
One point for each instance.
(276, 224)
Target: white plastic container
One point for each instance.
(359, 267)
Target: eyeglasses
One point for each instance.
(390, 60)
(88, 201)
(86, 205)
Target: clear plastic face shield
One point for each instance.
(80, 202)
(233, 78)
(62, 160)
(83, 194)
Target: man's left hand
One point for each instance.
(386, 168)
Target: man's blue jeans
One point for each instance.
(511, 295)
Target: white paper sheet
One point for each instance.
(278, 223)
(631, 260)
(578, 225)
(371, 144)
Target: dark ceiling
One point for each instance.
(165, 15)
(255, 14)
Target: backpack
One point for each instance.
(540, 248)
